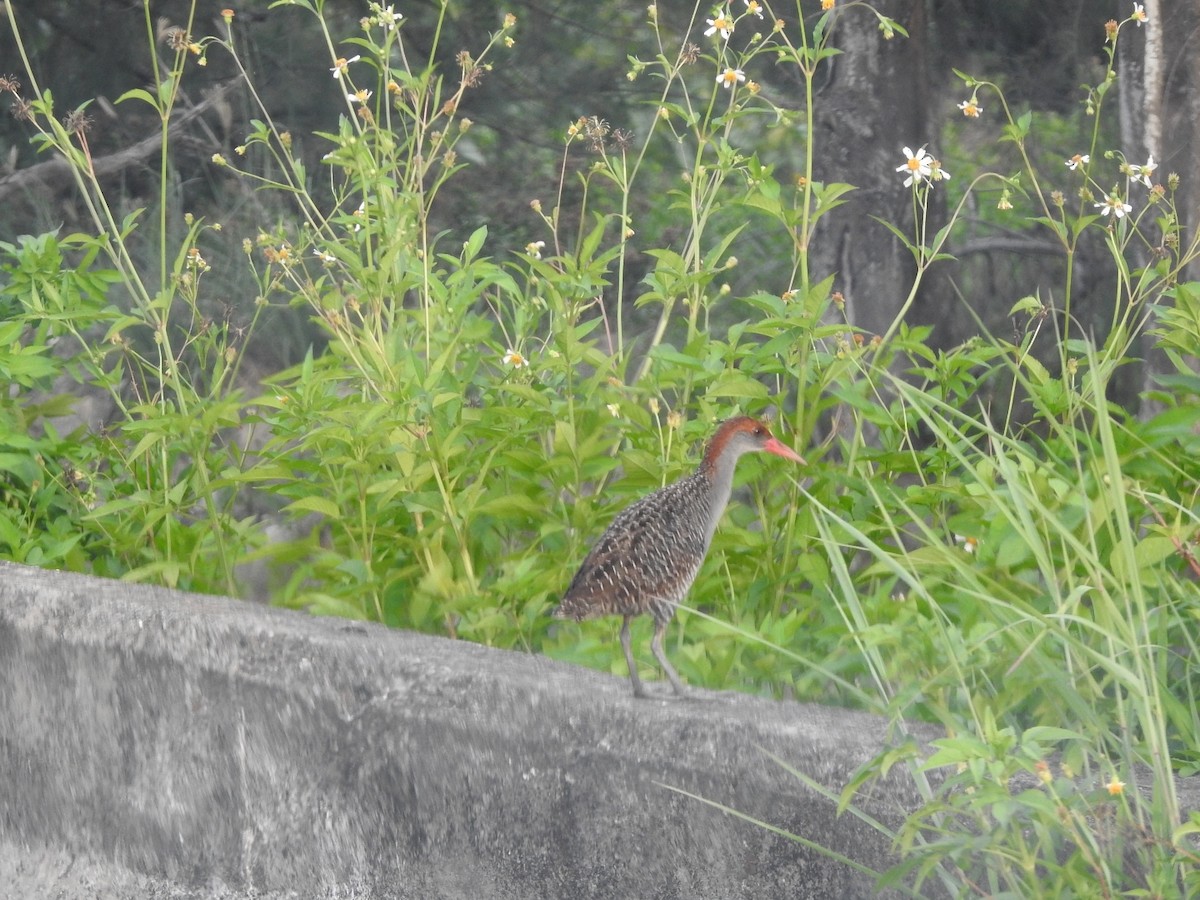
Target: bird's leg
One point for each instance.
(638, 690)
(660, 628)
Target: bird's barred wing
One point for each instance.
(643, 557)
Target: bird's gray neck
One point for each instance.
(719, 474)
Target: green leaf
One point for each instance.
(668, 354)
(829, 195)
(1038, 372)
(1029, 304)
(513, 505)
(1051, 734)
(475, 242)
(737, 385)
(1172, 424)
(321, 505)
(1149, 552)
(952, 751)
(898, 233)
(10, 535)
(138, 94)
(322, 604)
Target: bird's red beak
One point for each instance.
(774, 445)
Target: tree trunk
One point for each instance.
(875, 103)
(1160, 115)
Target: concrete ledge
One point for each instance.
(161, 744)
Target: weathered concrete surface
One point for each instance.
(160, 744)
